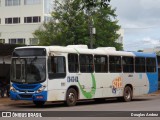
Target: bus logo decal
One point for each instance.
(117, 83)
(72, 79)
(93, 89)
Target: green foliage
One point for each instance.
(70, 25)
(140, 51)
(106, 29)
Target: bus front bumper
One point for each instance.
(42, 96)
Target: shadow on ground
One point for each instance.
(79, 103)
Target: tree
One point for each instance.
(106, 29)
(140, 51)
(69, 25)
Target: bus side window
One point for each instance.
(101, 63)
(151, 64)
(140, 65)
(73, 64)
(57, 67)
(53, 65)
(128, 64)
(86, 63)
(115, 64)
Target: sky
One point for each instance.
(140, 20)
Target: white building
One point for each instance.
(20, 18)
(120, 39)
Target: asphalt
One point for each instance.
(7, 101)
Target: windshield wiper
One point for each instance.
(34, 59)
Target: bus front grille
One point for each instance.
(25, 95)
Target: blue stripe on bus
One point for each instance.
(141, 54)
(153, 82)
(152, 77)
(21, 95)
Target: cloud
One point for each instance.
(139, 19)
(142, 43)
(150, 41)
(137, 12)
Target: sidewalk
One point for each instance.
(7, 101)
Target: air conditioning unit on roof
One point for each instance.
(78, 46)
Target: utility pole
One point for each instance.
(90, 6)
(92, 31)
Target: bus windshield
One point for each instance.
(28, 70)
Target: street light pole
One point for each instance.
(91, 32)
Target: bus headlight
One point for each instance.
(13, 89)
(41, 89)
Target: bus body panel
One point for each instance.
(90, 85)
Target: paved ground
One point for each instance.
(142, 103)
(7, 101)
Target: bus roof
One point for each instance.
(83, 49)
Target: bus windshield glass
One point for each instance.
(28, 70)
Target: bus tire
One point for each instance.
(127, 94)
(39, 103)
(71, 97)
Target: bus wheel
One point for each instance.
(71, 97)
(127, 94)
(39, 103)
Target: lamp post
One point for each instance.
(92, 33)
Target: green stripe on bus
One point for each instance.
(93, 89)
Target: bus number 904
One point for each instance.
(72, 79)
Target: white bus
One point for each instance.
(74, 72)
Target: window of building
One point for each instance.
(73, 65)
(33, 19)
(2, 40)
(12, 2)
(31, 2)
(36, 19)
(139, 64)
(0, 20)
(101, 63)
(34, 41)
(128, 64)
(14, 20)
(115, 64)
(17, 41)
(86, 63)
(151, 64)
(47, 19)
(56, 67)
